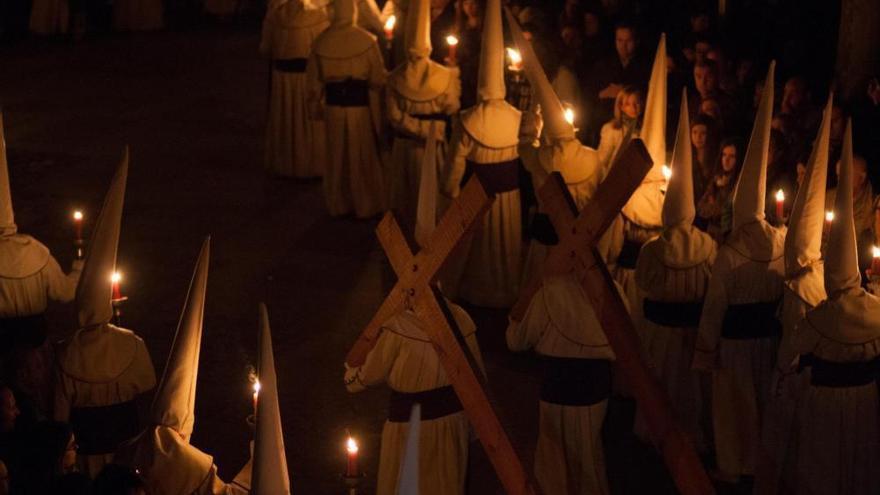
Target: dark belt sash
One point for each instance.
(673, 314)
(440, 117)
(542, 230)
(100, 430)
(290, 64)
(575, 381)
(840, 375)
(751, 321)
(436, 403)
(496, 177)
(629, 254)
(22, 332)
(348, 93)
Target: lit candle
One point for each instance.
(352, 448)
(829, 217)
(389, 27)
(452, 41)
(515, 59)
(568, 113)
(78, 224)
(114, 280)
(667, 172)
(257, 388)
(780, 202)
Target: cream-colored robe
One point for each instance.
(353, 177)
(405, 359)
(50, 17)
(411, 133)
(675, 268)
(137, 15)
(748, 269)
(295, 144)
(560, 322)
(836, 442)
(100, 366)
(493, 269)
(171, 466)
(611, 141)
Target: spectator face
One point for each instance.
(699, 23)
(569, 37)
(701, 51)
(705, 80)
(632, 106)
(591, 25)
(710, 107)
(471, 9)
(625, 43)
(8, 410)
(728, 158)
(794, 95)
(698, 136)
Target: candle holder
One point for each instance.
(352, 483)
(117, 309)
(79, 244)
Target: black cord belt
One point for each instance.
(348, 93)
(290, 64)
(751, 321)
(575, 381)
(496, 177)
(629, 254)
(834, 374)
(436, 403)
(673, 314)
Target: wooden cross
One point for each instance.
(576, 253)
(415, 290)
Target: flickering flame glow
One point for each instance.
(389, 24)
(515, 57)
(351, 446)
(875, 251)
(667, 172)
(77, 215)
(568, 113)
(780, 195)
(829, 216)
(451, 40)
(257, 386)
(116, 277)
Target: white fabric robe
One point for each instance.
(50, 17)
(494, 261)
(405, 359)
(406, 152)
(137, 15)
(295, 144)
(748, 269)
(569, 457)
(836, 437)
(353, 177)
(100, 366)
(611, 141)
(675, 268)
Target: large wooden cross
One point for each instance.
(576, 253)
(415, 290)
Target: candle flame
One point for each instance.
(390, 22)
(351, 446)
(780, 195)
(451, 40)
(115, 277)
(257, 386)
(568, 113)
(829, 216)
(876, 251)
(667, 172)
(515, 57)
(77, 215)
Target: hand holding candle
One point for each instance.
(351, 448)
(452, 41)
(515, 59)
(780, 204)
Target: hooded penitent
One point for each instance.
(93, 293)
(7, 218)
(343, 39)
(409, 469)
(493, 122)
(841, 257)
(803, 242)
(419, 78)
(678, 207)
(270, 462)
(748, 197)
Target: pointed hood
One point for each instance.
(803, 242)
(345, 13)
(418, 29)
(408, 483)
(7, 218)
(490, 84)
(270, 462)
(555, 125)
(93, 292)
(653, 131)
(748, 197)
(678, 207)
(174, 404)
(841, 257)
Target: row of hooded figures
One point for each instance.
(783, 329)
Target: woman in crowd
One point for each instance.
(624, 126)
(714, 207)
(704, 139)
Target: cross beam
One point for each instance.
(415, 290)
(576, 253)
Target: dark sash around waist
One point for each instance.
(22, 331)
(100, 430)
(290, 64)
(496, 177)
(673, 314)
(441, 117)
(751, 321)
(348, 93)
(840, 375)
(436, 403)
(629, 254)
(575, 381)
(542, 230)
